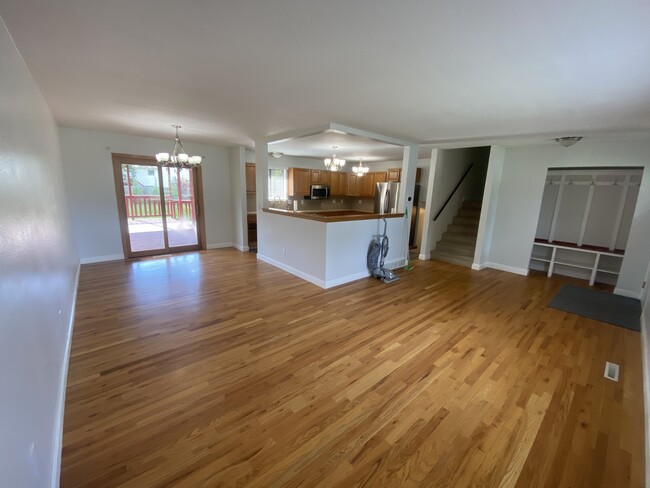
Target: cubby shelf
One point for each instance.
(575, 257)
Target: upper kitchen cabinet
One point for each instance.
(366, 185)
(299, 181)
(250, 178)
(338, 184)
(320, 177)
(393, 174)
(353, 185)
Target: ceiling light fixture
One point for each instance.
(568, 141)
(277, 155)
(361, 169)
(333, 163)
(178, 156)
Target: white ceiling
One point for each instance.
(231, 71)
(349, 147)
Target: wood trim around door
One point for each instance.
(132, 159)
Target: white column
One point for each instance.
(261, 175)
(556, 211)
(407, 190)
(585, 215)
(239, 204)
(619, 214)
(489, 206)
(425, 245)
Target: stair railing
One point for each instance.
(453, 191)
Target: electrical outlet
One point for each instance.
(284, 251)
(360, 202)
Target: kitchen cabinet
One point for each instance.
(338, 184)
(366, 184)
(353, 185)
(250, 178)
(393, 174)
(320, 177)
(299, 180)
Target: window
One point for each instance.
(277, 184)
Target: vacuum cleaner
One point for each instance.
(376, 254)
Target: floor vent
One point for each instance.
(611, 371)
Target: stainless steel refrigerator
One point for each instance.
(386, 195)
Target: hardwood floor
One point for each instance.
(214, 369)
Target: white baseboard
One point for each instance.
(293, 271)
(509, 269)
(101, 259)
(645, 352)
(479, 266)
(424, 256)
(627, 293)
(241, 248)
(346, 279)
(220, 245)
(63, 382)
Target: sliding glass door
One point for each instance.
(158, 206)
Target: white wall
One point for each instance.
(38, 269)
(326, 254)
(90, 186)
(238, 198)
(520, 197)
(489, 206)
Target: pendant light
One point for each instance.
(333, 163)
(178, 156)
(361, 169)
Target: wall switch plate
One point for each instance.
(284, 251)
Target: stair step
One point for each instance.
(465, 239)
(463, 229)
(470, 212)
(460, 261)
(476, 204)
(454, 249)
(461, 219)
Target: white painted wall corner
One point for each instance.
(509, 269)
(220, 245)
(57, 445)
(101, 259)
(627, 293)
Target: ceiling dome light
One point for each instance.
(568, 141)
(178, 156)
(361, 169)
(333, 163)
(277, 155)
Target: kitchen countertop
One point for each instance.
(332, 215)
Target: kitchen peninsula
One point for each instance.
(327, 248)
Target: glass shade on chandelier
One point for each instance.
(178, 157)
(361, 169)
(334, 163)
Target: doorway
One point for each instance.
(159, 206)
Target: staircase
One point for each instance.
(458, 243)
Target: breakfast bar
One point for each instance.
(327, 248)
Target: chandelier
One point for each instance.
(361, 169)
(178, 157)
(333, 163)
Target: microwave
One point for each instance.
(319, 192)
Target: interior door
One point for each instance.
(158, 207)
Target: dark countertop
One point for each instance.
(332, 215)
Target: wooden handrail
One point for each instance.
(453, 191)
